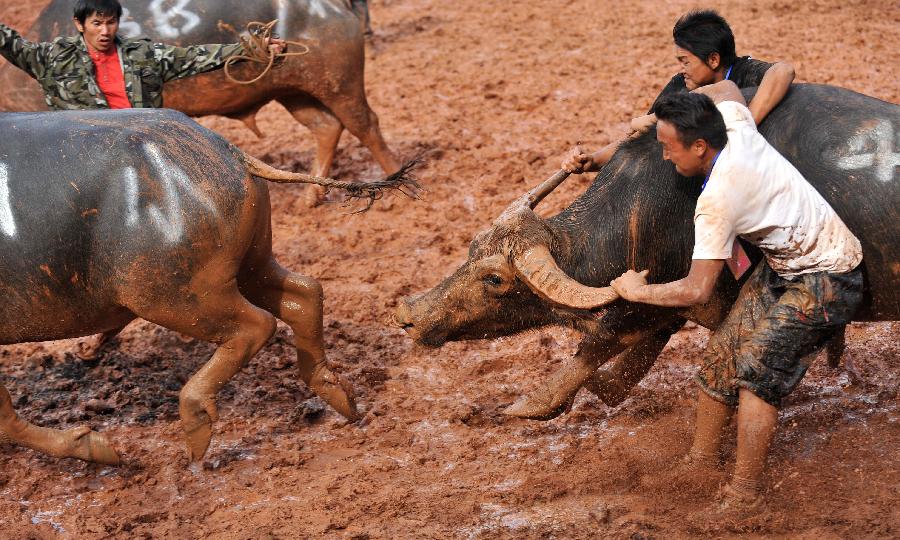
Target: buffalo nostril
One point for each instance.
(396, 321)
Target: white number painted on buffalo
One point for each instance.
(167, 217)
(163, 19)
(127, 26)
(7, 223)
(873, 148)
(320, 8)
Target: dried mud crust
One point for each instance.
(495, 94)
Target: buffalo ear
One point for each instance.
(538, 269)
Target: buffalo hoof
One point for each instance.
(336, 391)
(197, 418)
(90, 446)
(90, 348)
(315, 195)
(538, 407)
(197, 439)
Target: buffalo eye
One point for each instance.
(493, 280)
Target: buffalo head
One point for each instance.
(510, 282)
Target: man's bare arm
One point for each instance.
(772, 89)
(692, 290)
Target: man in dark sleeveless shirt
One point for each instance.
(704, 46)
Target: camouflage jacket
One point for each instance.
(65, 71)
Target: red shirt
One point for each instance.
(110, 78)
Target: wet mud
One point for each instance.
(494, 95)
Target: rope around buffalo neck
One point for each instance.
(256, 49)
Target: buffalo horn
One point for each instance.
(535, 195)
(539, 270)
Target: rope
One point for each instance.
(256, 49)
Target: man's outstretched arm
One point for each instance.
(27, 56)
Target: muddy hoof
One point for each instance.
(336, 391)
(535, 408)
(197, 417)
(90, 348)
(197, 436)
(314, 196)
(91, 446)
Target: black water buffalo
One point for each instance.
(527, 272)
(108, 216)
(323, 90)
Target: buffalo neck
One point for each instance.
(637, 214)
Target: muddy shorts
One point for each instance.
(763, 343)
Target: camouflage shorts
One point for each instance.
(763, 343)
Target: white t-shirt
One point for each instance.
(754, 192)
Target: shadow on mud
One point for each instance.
(138, 379)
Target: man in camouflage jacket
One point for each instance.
(66, 73)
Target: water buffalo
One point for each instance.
(323, 90)
(108, 216)
(526, 272)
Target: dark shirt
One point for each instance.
(745, 73)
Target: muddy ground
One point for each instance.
(494, 93)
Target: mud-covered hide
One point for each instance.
(638, 214)
(334, 63)
(103, 210)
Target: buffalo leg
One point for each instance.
(612, 382)
(554, 397)
(326, 129)
(298, 301)
(355, 114)
(79, 442)
(222, 316)
(92, 346)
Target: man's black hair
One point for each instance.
(694, 116)
(106, 8)
(703, 32)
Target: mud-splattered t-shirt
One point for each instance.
(746, 72)
(754, 192)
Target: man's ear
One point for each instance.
(78, 25)
(714, 60)
(699, 147)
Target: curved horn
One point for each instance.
(539, 270)
(535, 195)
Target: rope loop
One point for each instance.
(256, 49)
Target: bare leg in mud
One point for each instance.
(756, 427)
(712, 417)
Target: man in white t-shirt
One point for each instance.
(807, 288)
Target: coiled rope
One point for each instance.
(256, 49)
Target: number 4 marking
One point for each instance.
(862, 155)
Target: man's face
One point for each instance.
(99, 31)
(696, 72)
(688, 160)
